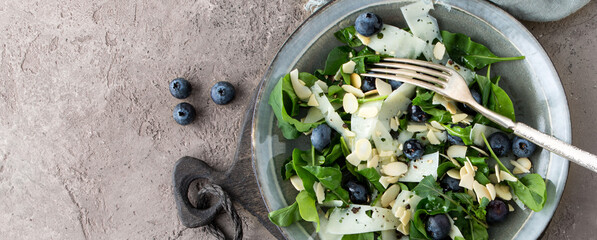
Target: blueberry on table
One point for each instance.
(438, 227)
(500, 143)
(413, 149)
(496, 211)
(417, 114)
(358, 193)
(368, 24)
(450, 184)
(222, 93)
(180, 88)
(184, 113)
(368, 84)
(467, 109)
(522, 147)
(321, 137)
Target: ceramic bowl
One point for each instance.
(533, 85)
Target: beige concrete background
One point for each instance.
(87, 140)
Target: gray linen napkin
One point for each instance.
(530, 10)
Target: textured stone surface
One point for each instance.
(87, 141)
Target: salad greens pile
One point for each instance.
(401, 192)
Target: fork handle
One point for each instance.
(557, 146)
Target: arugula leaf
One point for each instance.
(285, 216)
(530, 189)
(471, 54)
(424, 99)
(359, 236)
(307, 209)
(366, 55)
(462, 132)
(348, 36)
(373, 177)
(336, 58)
(287, 169)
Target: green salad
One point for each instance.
(389, 160)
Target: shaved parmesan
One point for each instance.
(354, 219)
(383, 87)
(479, 129)
(313, 115)
(397, 42)
(420, 168)
(361, 126)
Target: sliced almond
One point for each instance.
(386, 153)
(518, 169)
(481, 191)
(302, 91)
(350, 103)
(361, 166)
(319, 192)
(312, 101)
(469, 166)
(395, 169)
(371, 92)
(506, 176)
(353, 159)
(363, 149)
(389, 195)
(322, 85)
(368, 112)
(438, 99)
(405, 218)
(437, 125)
(355, 80)
(348, 67)
(510, 208)
(454, 173)
(503, 191)
(404, 229)
(399, 212)
(459, 117)
(491, 189)
(456, 163)
(364, 40)
(297, 183)
(457, 151)
(466, 180)
(415, 127)
(383, 87)
(432, 138)
(394, 124)
(498, 176)
(525, 163)
(439, 50)
(373, 162)
(350, 89)
(349, 133)
(451, 107)
(386, 181)
(479, 150)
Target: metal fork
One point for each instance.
(449, 83)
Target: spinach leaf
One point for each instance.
(307, 78)
(335, 89)
(470, 229)
(334, 152)
(415, 233)
(287, 169)
(312, 157)
(530, 189)
(444, 167)
(471, 54)
(307, 209)
(462, 132)
(500, 102)
(331, 178)
(484, 84)
(285, 216)
(373, 177)
(285, 106)
(359, 236)
(336, 58)
(307, 178)
(348, 36)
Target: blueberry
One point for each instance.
(184, 113)
(465, 108)
(438, 226)
(496, 211)
(222, 93)
(180, 88)
(368, 84)
(357, 192)
(368, 24)
(500, 143)
(394, 84)
(321, 137)
(522, 147)
(413, 149)
(450, 184)
(455, 140)
(417, 114)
